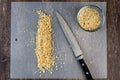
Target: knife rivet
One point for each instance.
(87, 73)
(83, 64)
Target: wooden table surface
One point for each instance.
(113, 37)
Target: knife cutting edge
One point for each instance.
(74, 45)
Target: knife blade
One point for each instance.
(74, 45)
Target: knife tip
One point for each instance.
(56, 13)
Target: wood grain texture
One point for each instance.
(113, 38)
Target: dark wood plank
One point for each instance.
(113, 37)
(4, 39)
(113, 41)
(27, 0)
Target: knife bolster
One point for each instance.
(80, 57)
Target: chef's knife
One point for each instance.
(74, 45)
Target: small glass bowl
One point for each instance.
(102, 18)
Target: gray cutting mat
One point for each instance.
(23, 32)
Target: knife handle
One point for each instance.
(85, 69)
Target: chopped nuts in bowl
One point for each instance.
(90, 18)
